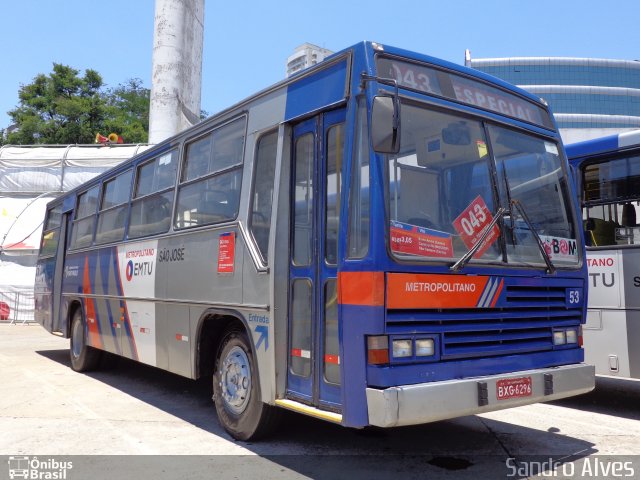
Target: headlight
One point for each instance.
(402, 348)
(572, 336)
(559, 337)
(425, 347)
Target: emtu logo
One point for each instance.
(129, 270)
(138, 269)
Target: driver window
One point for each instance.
(262, 195)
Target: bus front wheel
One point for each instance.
(83, 357)
(236, 391)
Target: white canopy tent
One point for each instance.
(30, 176)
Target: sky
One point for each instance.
(246, 43)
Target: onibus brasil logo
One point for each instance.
(34, 468)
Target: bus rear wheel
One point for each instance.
(236, 391)
(83, 357)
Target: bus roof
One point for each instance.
(596, 146)
(333, 69)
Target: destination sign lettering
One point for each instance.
(489, 98)
(465, 90)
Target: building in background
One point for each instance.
(304, 56)
(590, 97)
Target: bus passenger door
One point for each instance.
(314, 364)
(58, 321)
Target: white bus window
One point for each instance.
(217, 151)
(153, 203)
(85, 218)
(87, 203)
(197, 158)
(151, 215)
(116, 191)
(213, 200)
(303, 206)
(301, 328)
(157, 175)
(113, 208)
(51, 232)
(335, 148)
(358, 239)
(262, 196)
(212, 177)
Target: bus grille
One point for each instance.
(525, 323)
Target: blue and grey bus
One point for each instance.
(383, 239)
(607, 174)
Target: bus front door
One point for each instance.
(314, 363)
(58, 321)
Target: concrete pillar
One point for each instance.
(177, 67)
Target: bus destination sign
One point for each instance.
(461, 89)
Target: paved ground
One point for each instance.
(50, 411)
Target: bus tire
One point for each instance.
(236, 391)
(83, 357)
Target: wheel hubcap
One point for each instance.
(235, 380)
(77, 339)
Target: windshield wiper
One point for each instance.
(472, 251)
(550, 266)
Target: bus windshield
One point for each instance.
(452, 175)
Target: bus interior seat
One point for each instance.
(628, 215)
(602, 232)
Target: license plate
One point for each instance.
(513, 388)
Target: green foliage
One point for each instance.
(64, 108)
(127, 111)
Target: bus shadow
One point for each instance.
(618, 397)
(469, 447)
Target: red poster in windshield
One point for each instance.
(472, 223)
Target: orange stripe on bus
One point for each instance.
(90, 309)
(361, 288)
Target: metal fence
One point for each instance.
(16, 307)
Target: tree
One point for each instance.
(127, 111)
(64, 107)
(61, 108)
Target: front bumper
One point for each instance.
(430, 402)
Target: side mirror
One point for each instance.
(385, 124)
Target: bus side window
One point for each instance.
(210, 187)
(51, 232)
(262, 195)
(152, 205)
(85, 218)
(113, 208)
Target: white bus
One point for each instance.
(607, 174)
